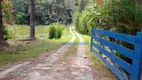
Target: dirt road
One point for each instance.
(68, 63)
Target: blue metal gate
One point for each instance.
(120, 67)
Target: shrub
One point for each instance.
(55, 30)
(11, 34)
(58, 33)
(52, 32)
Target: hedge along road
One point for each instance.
(67, 63)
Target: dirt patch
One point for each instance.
(24, 42)
(3, 45)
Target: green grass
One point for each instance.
(86, 38)
(22, 31)
(41, 32)
(31, 49)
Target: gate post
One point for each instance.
(135, 73)
(91, 40)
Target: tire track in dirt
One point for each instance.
(51, 65)
(81, 64)
(5, 72)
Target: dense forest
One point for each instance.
(46, 11)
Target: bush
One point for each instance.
(58, 33)
(11, 34)
(20, 18)
(55, 30)
(52, 31)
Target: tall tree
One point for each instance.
(83, 3)
(32, 19)
(1, 34)
(2, 41)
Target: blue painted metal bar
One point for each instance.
(135, 74)
(126, 66)
(123, 50)
(119, 36)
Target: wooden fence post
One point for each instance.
(135, 73)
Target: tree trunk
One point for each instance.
(1, 34)
(3, 43)
(32, 19)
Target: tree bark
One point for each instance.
(3, 43)
(32, 19)
(1, 34)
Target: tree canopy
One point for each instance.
(47, 11)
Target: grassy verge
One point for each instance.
(30, 50)
(87, 39)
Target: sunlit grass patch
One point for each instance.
(87, 39)
(41, 32)
(23, 31)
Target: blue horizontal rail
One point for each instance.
(119, 36)
(119, 65)
(125, 51)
